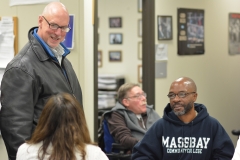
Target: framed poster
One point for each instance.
(115, 38)
(234, 33)
(140, 28)
(115, 22)
(69, 39)
(164, 27)
(139, 50)
(139, 6)
(190, 31)
(115, 56)
(140, 73)
(99, 58)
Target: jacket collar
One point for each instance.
(35, 41)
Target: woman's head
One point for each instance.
(63, 124)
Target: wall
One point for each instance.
(215, 72)
(130, 16)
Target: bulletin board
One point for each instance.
(15, 31)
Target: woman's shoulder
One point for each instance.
(28, 151)
(30, 146)
(91, 146)
(95, 153)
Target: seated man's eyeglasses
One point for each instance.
(180, 95)
(139, 96)
(55, 26)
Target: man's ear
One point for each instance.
(195, 97)
(40, 20)
(125, 102)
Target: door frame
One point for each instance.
(148, 51)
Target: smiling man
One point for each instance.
(129, 120)
(186, 131)
(38, 71)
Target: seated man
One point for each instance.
(186, 130)
(129, 120)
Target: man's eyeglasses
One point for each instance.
(55, 26)
(179, 94)
(139, 96)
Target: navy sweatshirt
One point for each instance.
(170, 139)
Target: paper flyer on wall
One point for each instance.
(6, 41)
(26, 2)
(161, 52)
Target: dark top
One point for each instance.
(124, 125)
(169, 138)
(117, 127)
(29, 80)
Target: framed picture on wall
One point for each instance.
(164, 27)
(140, 27)
(234, 33)
(115, 38)
(98, 38)
(140, 50)
(139, 73)
(115, 56)
(190, 31)
(139, 6)
(99, 59)
(115, 22)
(98, 22)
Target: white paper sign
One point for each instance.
(161, 52)
(6, 41)
(26, 2)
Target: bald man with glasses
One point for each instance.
(131, 117)
(38, 71)
(186, 131)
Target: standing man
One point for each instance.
(186, 131)
(129, 120)
(38, 71)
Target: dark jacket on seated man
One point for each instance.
(129, 120)
(125, 126)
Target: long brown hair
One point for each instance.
(62, 124)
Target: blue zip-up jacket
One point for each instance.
(170, 139)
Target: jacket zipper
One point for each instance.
(64, 74)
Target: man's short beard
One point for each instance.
(187, 108)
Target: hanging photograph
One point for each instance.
(139, 6)
(115, 22)
(139, 50)
(140, 73)
(115, 56)
(115, 38)
(164, 27)
(190, 31)
(99, 58)
(234, 33)
(140, 27)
